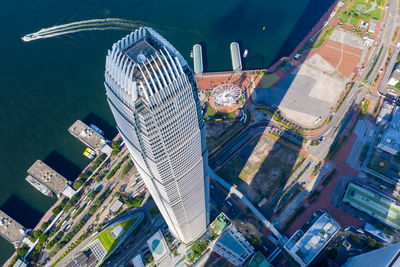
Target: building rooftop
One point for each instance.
(390, 141)
(87, 135)
(229, 241)
(395, 77)
(384, 114)
(233, 246)
(236, 57)
(141, 51)
(373, 203)
(117, 232)
(197, 59)
(10, 229)
(47, 176)
(309, 244)
(258, 260)
(116, 205)
(158, 246)
(137, 261)
(372, 26)
(19, 263)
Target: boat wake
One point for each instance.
(86, 25)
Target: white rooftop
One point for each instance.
(310, 244)
(117, 231)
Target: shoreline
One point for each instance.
(274, 68)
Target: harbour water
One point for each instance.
(47, 84)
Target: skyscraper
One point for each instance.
(153, 96)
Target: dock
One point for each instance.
(11, 230)
(89, 137)
(197, 59)
(49, 177)
(236, 58)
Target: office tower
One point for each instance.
(153, 96)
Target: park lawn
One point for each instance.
(268, 79)
(353, 16)
(108, 241)
(210, 111)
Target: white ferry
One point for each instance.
(39, 186)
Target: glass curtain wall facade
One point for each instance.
(153, 96)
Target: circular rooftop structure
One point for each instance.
(226, 95)
(157, 247)
(141, 58)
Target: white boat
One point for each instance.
(88, 155)
(245, 53)
(39, 186)
(29, 37)
(191, 54)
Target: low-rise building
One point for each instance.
(158, 246)
(384, 114)
(395, 77)
(20, 263)
(390, 140)
(233, 246)
(137, 261)
(372, 26)
(307, 242)
(116, 205)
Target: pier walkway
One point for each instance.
(89, 137)
(48, 177)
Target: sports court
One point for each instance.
(373, 203)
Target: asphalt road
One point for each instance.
(385, 40)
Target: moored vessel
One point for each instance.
(39, 186)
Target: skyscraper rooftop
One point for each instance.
(153, 97)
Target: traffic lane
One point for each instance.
(220, 197)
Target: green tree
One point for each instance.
(44, 226)
(256, 242)
(333, 253)
(354, 238)
(60, 234)
(42, 238)
(37, 234)
(92, 209)
(116, 144)
(77, 184)
(199, 247)
(57, 210)
(22, 250)
(370, 242)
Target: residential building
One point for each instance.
(384, 257)
(233, 246)
(153, 96)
